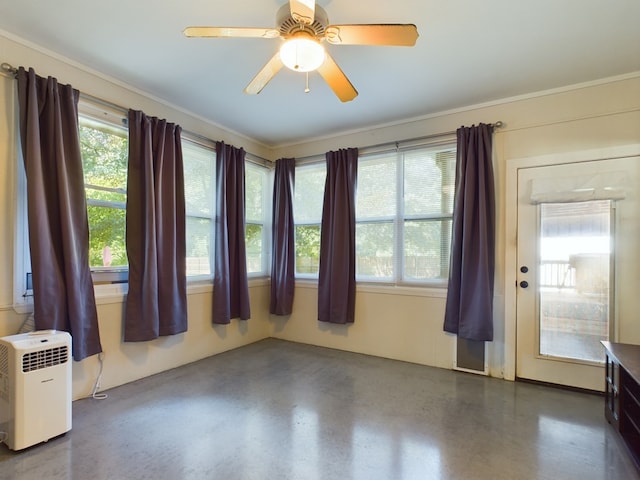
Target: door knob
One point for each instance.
(524, 284)
(524, 269)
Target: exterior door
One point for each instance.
(571, 253)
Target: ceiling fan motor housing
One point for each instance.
(287, 26)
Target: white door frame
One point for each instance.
(511, 230)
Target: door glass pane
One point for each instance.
(574, 291)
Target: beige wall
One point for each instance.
(126, 362)
(400, 323)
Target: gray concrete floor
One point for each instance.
(279, 410)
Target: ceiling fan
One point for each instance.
(303, 25)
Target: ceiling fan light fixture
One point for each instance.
(302, 54)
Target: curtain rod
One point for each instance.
(394, 145)
(498, 124)
(198, 138)
(10, 70)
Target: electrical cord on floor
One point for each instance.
(94, 394)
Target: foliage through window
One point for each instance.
(104, 149)
(257, 198)
(307, 211)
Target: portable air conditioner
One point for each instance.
(35, 387)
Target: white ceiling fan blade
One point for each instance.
(336, 79)
(265, 75)
(303, 10)
(224, 32)
(392, 34)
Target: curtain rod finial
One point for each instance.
(9, 68)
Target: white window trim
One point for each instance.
(205, 144)
(398, 280)
(118, 275)
(267, 209)
(310, 162)
(22, 298)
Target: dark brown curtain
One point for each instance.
(469, 307)
(337, 276)
(57, 211)
(157, 300)
(283, 239)
(230, 282)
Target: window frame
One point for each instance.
(267, 172)
(22, 294)
(106, 278)
(441, 217)
(319, 164)
(107, 281)
(399, 220)
(191, 141)
(391, 219)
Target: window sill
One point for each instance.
(106, 294)
(431, 291)
(116, 293)
(21, 308)
(404, 290)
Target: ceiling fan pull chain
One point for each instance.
(307, 89)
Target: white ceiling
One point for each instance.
(469, 52)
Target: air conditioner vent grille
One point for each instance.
(45, 358)
(4, 373)
(4, 360)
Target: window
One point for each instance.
(429, 185)
(376, 209)
(404, 209)
(258, 218)
(199, 192)
(307, 212)
(105, 156)
(104, 149)
(199, 182)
